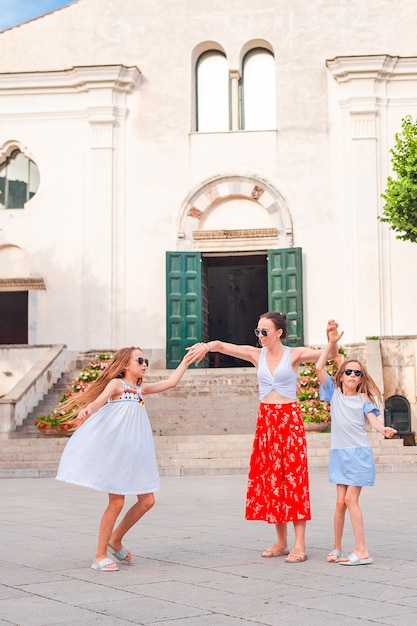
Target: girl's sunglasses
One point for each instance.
(261, 331)
(356, 372)
(141, 361)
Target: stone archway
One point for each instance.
(235, 199)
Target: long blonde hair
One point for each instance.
(366, 383)
(115, 369)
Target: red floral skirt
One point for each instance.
(278, 488)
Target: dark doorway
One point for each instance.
(397, 414)
(13, 317)
(237, 293)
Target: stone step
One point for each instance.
(50, 401)
(198, 454)
(197, 404)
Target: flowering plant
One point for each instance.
(60, 420)
(66, 421)
(312, 408)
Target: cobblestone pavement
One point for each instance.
(197, 561)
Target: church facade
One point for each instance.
(171, 170)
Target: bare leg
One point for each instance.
(338, 522)
(281, 547)
(107, 523)
(356, 518)
(300, 536)
(144, 503)
(298, 553)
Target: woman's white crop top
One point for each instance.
(284, 379)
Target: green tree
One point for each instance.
(400, 196)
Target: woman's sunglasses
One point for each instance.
(141, 361)
(261, 331)
(356, 372)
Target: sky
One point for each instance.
(13, 12)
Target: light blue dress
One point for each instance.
(351, 460)
(113, 451)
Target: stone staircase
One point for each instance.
(203, 426)
(196, 454)
(390, 454)
(46, 406)
(51, 400)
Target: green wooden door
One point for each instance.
(285, 290)
(188, 305)
(184, 303)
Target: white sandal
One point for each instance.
(104, 564)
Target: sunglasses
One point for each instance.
(141, 361)
(261, 331)
(356, 372)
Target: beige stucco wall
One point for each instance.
(399, 362)
(100, 95)
(392, 363)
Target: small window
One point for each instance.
(212, 92)
(258, 90)
(19, 180)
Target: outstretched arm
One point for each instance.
(311, 355)
(332, 327)
(376, 423)
(247, 353)
(171, 381)
(328, 352)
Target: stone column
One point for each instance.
(103, 256)
(362, 96)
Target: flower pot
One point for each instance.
(55, 431)
(316, 427)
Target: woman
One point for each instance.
(278, 486)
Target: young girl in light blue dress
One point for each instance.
(353, 396)
(113, 450)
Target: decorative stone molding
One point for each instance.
(250, 233)
(364, 125)
(96, 90)
(212, 193)
(118, 78)
(368, 83)
(22, 284)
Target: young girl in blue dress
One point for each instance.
(113, 450)
(353, 398)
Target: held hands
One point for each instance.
(333, 335)
(388, 432)
(188, 358)
(197, 352)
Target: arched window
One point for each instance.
(212, 92)
(258, 90)
(19, 180)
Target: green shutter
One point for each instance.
(285, 290)
(184, 303)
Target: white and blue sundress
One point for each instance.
(351, 459)
(113, 450)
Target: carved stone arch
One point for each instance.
(216, 194)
